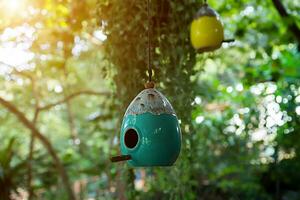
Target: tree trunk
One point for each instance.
(30, 158)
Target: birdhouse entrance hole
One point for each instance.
(131, 138)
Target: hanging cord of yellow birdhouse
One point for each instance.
(150, 83)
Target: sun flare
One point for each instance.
(11, 6)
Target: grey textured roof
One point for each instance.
(205, 10)
(152, 101)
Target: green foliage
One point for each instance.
(237, 105)
(11, 170)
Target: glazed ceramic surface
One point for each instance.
(207, 31)
(152, 101)
(154, 120)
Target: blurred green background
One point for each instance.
(69, 69)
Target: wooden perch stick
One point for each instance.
(120, 158)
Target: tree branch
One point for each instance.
(290, 22)
(32, 138)
(60, 168)
(71, 96)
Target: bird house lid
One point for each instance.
(205, 10)
(152, 101)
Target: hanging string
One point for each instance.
(149, 42)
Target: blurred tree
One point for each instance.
(55, 28)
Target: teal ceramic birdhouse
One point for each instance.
(150, 133)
